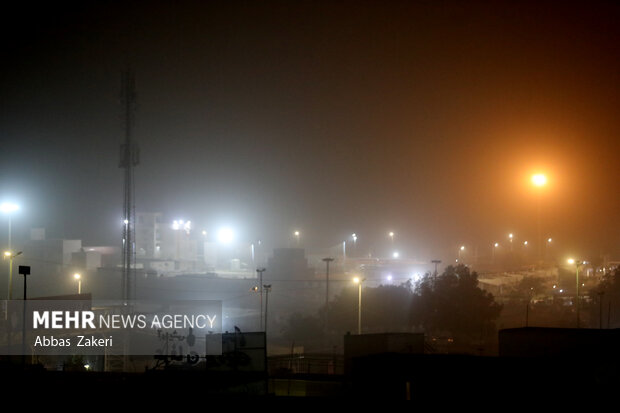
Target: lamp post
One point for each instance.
(297, 235)
(267, 288)
(327, 260)
(539, 180)
(391, 235)
(461, 250)
(8, 208)
(78, 278)
(11, 256)
(260, 272)
(495, 246)
(24, 270)
(359, 281)
(577, 263)
(510, 237)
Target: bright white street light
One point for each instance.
(225, 235)
(395, 254)
(8, 207)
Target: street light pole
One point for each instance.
(260, 272)
(11, 256)
(359, 281)
(8, 208)
(267, 290)
(327, 261)
(78, 277)
(539, 180)
(577, 263)
(24, 270)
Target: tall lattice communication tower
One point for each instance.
(129, 159)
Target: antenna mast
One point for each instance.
(129, 158)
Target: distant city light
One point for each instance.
(510, 236)
(496, 244)
(225, 235)
(389, 277)
(462, 247)
(356, 280)
(395, 254)
(549, 240)
(524, 242)
(571, 261)
(204, 232)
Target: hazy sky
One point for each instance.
(425, 118)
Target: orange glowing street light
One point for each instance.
(539, 180)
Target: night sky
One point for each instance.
(425, 118)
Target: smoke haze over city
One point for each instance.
(354, 117)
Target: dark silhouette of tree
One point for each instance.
(307, 329)
(454, 303)
(384, 309)
(610, 308)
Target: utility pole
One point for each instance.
(129, 158)
(327, 260)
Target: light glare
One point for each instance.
(539, 179)
(7, 207)
(225, 235)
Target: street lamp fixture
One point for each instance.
(539, 180)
